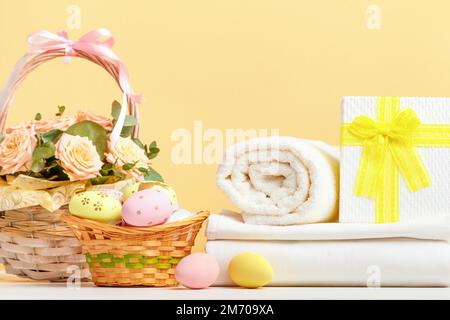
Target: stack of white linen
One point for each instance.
(287, 192)
(412, 254)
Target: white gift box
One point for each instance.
(433, 200)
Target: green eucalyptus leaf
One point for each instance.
(143, 170)
(151, 156)
(106, 169)
(139, 143)
(115, 109)
(61, 110)
(95, 132)
(38, 165)
(130, 121)
(128, 166)
(118, 173)
(152, 153)
(51, 136)
(38, 117)
(100, 180)
(153, 175)
(153, 145)
(126, 132)
(47, 150)
(108, 166)
(105, 172)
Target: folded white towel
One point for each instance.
(229, 225)
(388, 262)
(281, 180)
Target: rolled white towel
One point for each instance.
(282, 180)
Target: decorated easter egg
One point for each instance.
(146, 208)
(161, 186)
(180, 214)
(96, 205)
(115, 193)
(250, 270)
(130, 190)
(197, 271)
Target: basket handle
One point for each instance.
(94, 46)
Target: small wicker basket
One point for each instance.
(33, 241)
(127, 256)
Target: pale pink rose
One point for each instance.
(126, 151)
(103, 121)
(61, 123)
(78, 157)
(45, 125)
(16, 151)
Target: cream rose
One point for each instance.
(126, 151)
(78, 157)
(103, 121)
(16, 151)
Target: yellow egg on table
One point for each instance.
(130, 190)
(96, 205)
(250, 270)
(164, 187)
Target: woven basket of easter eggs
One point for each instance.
(122, 255)
(44, 162)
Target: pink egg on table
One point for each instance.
(146, 208)
(197, 271)
(115, 193)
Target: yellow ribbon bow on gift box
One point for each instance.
(389, 146)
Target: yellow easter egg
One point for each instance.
(164, 187)
(250, 270)
(130, 190)
(96, 205)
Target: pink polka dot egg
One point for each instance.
(197, 271)
(147, 208)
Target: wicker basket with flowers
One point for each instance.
(44, 162)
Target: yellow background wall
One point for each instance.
(281, 64)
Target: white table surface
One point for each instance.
(11, 290)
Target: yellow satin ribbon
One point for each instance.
(389, 147)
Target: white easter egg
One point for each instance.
(180, 214)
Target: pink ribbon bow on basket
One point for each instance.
(97, 42)
(94, 44)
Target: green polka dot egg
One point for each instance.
(96, 205)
